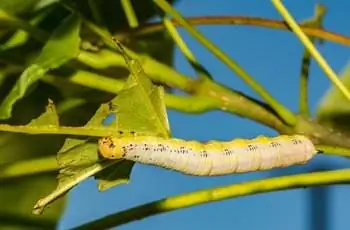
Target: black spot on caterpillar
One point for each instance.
(212, 158)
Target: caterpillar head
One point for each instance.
(109, 148)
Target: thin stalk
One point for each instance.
(315, 21)
(200, 69)
(320, 33)
(130, 13)
(334, 150)
(311, 48)
(286, 115)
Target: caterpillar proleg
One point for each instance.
(212, 158)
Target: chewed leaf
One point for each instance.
(110, 119)
(79, 162)
(62, 46)
(141, 109)
(140, 105)
(334, 109)
(115, 175)
(50, 117)
(78, 159)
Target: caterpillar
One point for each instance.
(212, 158)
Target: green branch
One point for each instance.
(219, 193)
(334, 151)
(282, 111)
(225, 98)
(191, 104)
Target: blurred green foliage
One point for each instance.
(40, 41)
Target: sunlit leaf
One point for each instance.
(140, 105)
(140, 108)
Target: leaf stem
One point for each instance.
(219, 193)
(61, 130)
(282, 111)
(311, 48)
(130, 13)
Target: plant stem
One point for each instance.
(148, 28)
(287, 116)
(201, 71)
(191, 104)
(304, 80)
(88, 79)
(315, 21)
(333, 150)
(217, 194)
(226, 99)
(29, 167)
(311, 48)
(158, 72)
(130, 13)
(61, 130)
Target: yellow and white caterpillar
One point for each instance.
(212, 158)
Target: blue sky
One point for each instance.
(273, 58)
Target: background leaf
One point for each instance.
(18, 195)
(334, 109)
(76, 103)
(62, 46)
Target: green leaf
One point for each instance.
(62, 46)
(78, 160)
(50, 117)
(17, 195)
(21, 36)
(140, 105)
(18, 6)
(334, 109)
(141, 109)
(115, 175)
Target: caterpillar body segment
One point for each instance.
(212, 158)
